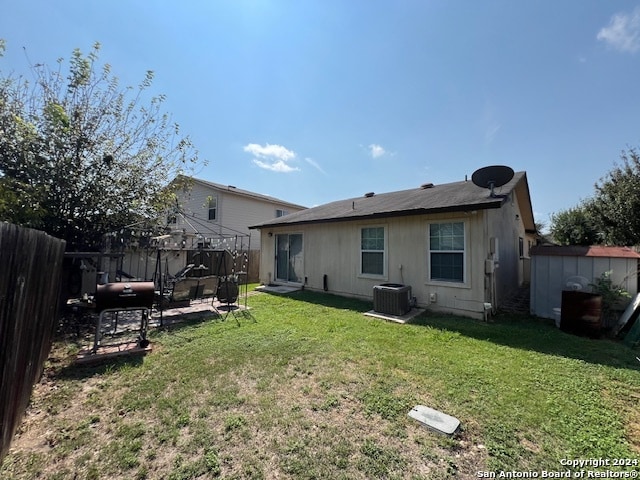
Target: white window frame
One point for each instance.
(465, 271)
(210, 200)
(377, 276)
(281, 212)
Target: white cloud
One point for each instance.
(376, 150)
(275, 166)
(315, 165)
(623, 32)
(270, 151)
(272, 157)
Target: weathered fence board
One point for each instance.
(30, 278)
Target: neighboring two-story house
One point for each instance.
(208, 218)
(211, 216)
(215, 211)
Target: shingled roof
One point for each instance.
(245, 193)
(449, 197)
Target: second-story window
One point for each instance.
(213, 208)
(281, 213)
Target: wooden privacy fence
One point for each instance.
(30, 278)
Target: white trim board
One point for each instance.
(407, 317)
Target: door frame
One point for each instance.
(287, 280)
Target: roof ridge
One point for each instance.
(240, 191)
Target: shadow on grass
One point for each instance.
(326, 300)
(511, 330)
(539, 335)
(70, 370)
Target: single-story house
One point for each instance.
(460, 247)
(556, 268)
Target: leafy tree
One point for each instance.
(80, 156)
(617, 201)
(541, 226)
(574, 226)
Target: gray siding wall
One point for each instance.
(506, 225)
(549, 275)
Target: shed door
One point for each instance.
(289, 257)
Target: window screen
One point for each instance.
(446, 251)
(372, 250)
(213, 207)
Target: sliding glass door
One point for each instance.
(289, 258)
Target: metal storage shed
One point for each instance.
(553, 266)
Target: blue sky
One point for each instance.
(312, 101)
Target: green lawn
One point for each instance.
(314, 389)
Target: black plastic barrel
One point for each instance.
(581, 313)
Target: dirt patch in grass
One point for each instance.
(634, 435)
(626, 396)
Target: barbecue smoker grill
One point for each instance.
(119, 297)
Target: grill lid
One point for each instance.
(125, 295)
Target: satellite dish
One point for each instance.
(492, 177)
(577, 284)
